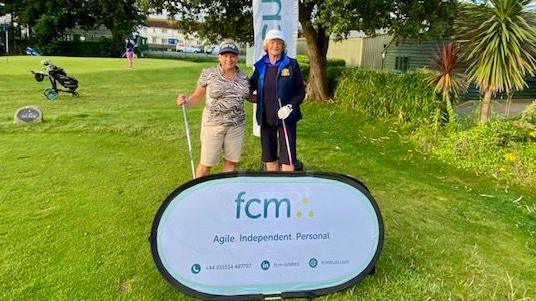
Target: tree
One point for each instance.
(403, 19)
(446, 77)
(49, 19)
(498, 39)
(211, 20)
(319, 19)
(119, 16)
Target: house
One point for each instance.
(357, 50)
(360, 50)
(411, 55)
(405, 56)
(78, 34)
(5, 19)
(155, 34)
(164, 34)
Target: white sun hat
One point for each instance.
(273, 34)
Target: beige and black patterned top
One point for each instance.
(224, 97)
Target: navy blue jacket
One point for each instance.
(290, 86)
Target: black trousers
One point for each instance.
(273, 140)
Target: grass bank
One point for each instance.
(78, 192)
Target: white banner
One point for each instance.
(267, 234)
(274, 14)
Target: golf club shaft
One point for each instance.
(188, 138)
(286, 137)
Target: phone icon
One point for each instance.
(196, 268)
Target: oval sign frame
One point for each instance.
(350, 181)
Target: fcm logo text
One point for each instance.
(268, 208)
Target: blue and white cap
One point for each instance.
(228, 46)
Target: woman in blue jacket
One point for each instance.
(278, 83)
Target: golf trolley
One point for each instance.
(56, 74)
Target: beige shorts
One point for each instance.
(214, 138)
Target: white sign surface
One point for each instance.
(265, 234)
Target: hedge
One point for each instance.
(333, 73)
(105, 48)
(406, 97)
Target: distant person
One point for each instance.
(224, 119)
(130, 47)
(279, 87)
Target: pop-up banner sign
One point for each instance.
(244, 236)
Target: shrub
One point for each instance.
(336, 63)
(529, 114)
(104, 48)
(510, 132)
(184, 56)
(302, 59)
(304, 65)
(405, 97)
(17, 46)
(333, 74)
(500, 148)
(305, 71)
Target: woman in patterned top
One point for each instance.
(224, 119)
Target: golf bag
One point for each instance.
(56, 75)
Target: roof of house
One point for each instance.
(162, 23)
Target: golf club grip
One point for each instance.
(286, 136)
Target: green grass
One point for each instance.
(78, 192)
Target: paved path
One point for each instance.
(497, 107)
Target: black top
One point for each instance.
(271, 106)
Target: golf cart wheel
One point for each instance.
(50, 94)
(39, 77)
(75, 94)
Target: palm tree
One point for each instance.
(498, 43)
(446, 78)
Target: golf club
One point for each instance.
(188, 138)
(286, 137)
